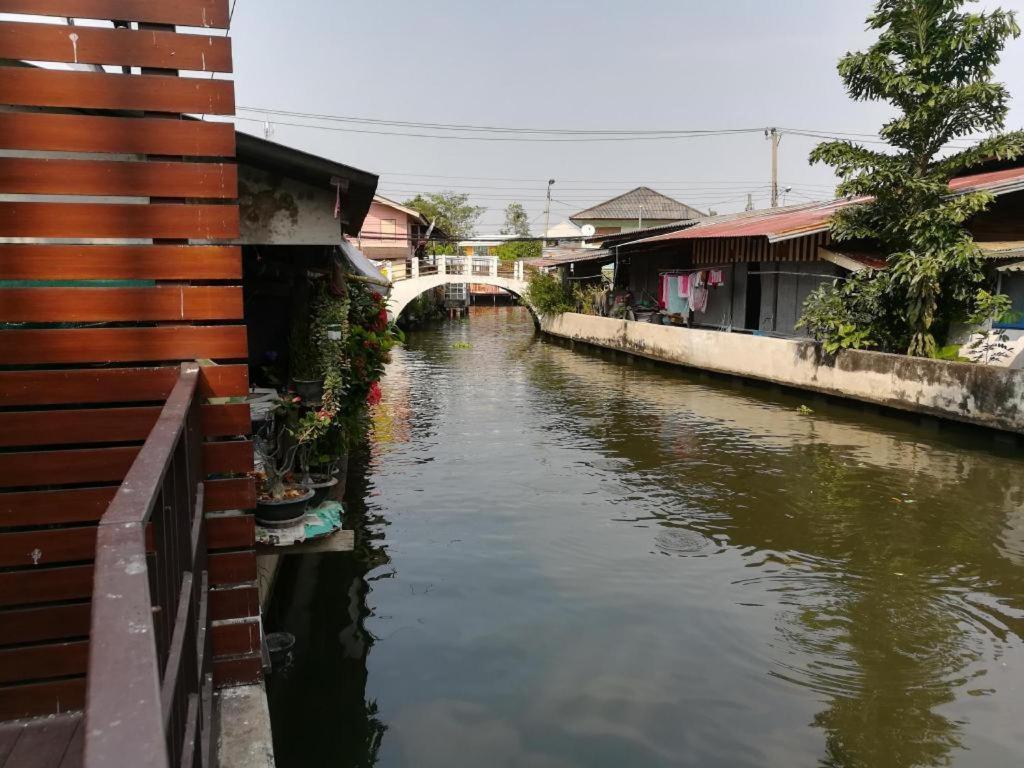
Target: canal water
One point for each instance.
(567, 558)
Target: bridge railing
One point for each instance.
(448, 264)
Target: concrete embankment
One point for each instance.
(982, 395)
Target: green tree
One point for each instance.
(517, 223)
(933, 62)
(451, 212)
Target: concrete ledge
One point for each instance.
(986, 396)
(245, 738)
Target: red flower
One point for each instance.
(375, 395)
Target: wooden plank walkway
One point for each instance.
(43, 742)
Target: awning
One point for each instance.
(1017, 266)
(362, 266)
(1006, 249)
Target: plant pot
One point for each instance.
(310, 390)
(284, 511)
(334, 332)
(321, 485)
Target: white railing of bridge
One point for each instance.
(464, 266)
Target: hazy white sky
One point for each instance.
(594, 64)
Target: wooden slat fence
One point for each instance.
(116, 266)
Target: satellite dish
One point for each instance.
(588, 230)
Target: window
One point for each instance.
(388, 228)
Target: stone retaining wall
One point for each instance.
(982, 395)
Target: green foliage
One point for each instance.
(518, 250)
(451, 212)
(516, 221)
(547, 294)
(987, 344)
(934, 64)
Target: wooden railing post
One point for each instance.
(149, 695)
(415, 267)
(442, 265)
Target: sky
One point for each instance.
(575, 64)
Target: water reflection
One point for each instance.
(584, 561)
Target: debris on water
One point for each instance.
(805, 410)
(462, 345)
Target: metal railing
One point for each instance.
(150, 686)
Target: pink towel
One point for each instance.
(715, 277)
(684, 286)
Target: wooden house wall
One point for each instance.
(112, 274)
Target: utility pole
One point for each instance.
(775, 136)
(750, 202)
(640, 219)
(547, 213)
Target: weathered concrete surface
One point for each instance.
(404, 291)
(279, 211)
(245, 739)
(976, 394)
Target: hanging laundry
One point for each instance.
(677, 303)
(663, 286)
(684, 286)
(716, 277)
(698, 292)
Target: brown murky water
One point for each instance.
(567, 559)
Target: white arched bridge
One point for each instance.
(411, 278)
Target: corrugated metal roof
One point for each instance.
(556, 256)
(626, 237)
(642, 201)
(1017, 266)
(797, 221)
(1002, 250)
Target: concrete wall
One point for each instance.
(981, 395)
(278, 211)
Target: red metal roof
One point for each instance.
(796, 221)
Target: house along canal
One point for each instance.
(566, 558)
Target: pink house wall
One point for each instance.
(370, 234)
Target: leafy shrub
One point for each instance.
(547, 294)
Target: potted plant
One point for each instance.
(306, 372)
(279, 502)
(320, 482)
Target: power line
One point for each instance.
(491, 128)
(528, 139)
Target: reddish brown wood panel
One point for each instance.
(114, 385)
(229, 568)
(51, 622)
(229, 456)
(234, 602)
(162, 302)
(113, 220)
(240, 671)
(18, 701)
(47, 585)
(122, 345)
(186, 13)
(97, 90)
(40, 662)
(236, 639)
(47, 546)
(130, 135)
(47, 176)
(104, 45)
(88, 465)
(229, 420)
(118, 262)
(221, 495)
(109, 425)
(78, 505)
(230, 532)
(105, 465)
